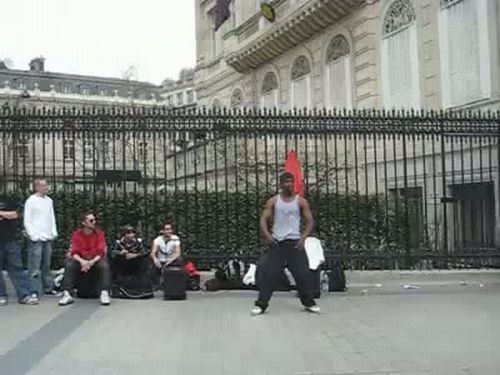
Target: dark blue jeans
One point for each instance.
(10, 259)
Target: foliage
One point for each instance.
(225, 224)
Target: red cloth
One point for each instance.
(88, 246)
(292, 165)
(191, 270)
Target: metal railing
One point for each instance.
(388, 189)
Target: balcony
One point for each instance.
(297, 27)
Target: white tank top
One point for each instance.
(286, 221)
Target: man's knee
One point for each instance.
(72, 265)
(103, 265)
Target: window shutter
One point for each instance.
(339, 83)
(269, 99)
(400, 78)
(463, 47)
(300, 94)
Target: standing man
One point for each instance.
(10, 256)
(40, 226)
(88, 250)
(286, 245)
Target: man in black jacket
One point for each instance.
(130, 257)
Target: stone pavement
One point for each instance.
(436, 330)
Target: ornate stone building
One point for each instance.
(371, 54)
(38, 87)
(78, 154)
(350, 54)
(179, 93)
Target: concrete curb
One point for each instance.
(401, 278)
(434, 277)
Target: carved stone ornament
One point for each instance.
(216, 104)
(338, 47)
(300, 68)
(399, 15)
(270, 83)
(447, 3)
(236, 98)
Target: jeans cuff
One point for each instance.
(262, 305)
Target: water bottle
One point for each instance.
(325, 283)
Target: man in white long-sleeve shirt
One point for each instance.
(40, 226)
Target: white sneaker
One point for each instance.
(105, 300)
(313, 309)
(257, 311)
(66, 299)
(3, 301)
(34, 299)
(29, 300)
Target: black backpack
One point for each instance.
(337, 280)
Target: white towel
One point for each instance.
(290, 278)
(314, 252)
(249, 278)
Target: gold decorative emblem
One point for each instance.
(268, 12)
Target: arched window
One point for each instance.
(269, 91)
(216, 104)
(465, 50)
(237, 99)
(301, 83)
(338, 69)
(400, 76)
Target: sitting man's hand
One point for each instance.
(157, 263)
(123, 252)
(129, 256)
(86, 265)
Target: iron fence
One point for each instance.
(388, 188)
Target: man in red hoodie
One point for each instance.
(88, 250)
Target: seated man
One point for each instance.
(129, 254)
(130, 265)
(166, 249)
(88, 250)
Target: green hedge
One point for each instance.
(226, 223)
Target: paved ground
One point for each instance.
(438, 330)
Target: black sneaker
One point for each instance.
(53, 293)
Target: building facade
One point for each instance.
(77, 154)
(371, 54)
(179, 93)
(426, 54)
(38, 87)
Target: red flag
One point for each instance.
(292, 165)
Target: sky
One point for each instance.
(101, 37)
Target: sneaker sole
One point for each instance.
(29, 303)
(257, 314)
(66, 304)
(313, 312)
